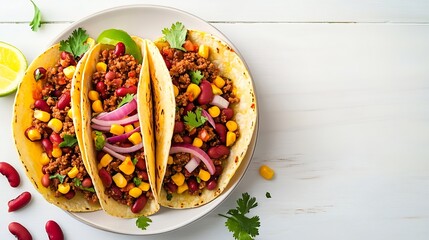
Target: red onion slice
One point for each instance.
(124, 149)
(219, 101)
(124, 121)
(192, 164)
(119, 113)
(122, 137)
(113, 153)
(189, 148)
(101, 128)
(209, 118)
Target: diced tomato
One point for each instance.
(189, 46)
(203, 135)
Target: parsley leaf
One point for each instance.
(76, 43)
(36, 23)
(268, 195)
(100, 140)
(143, 222)
(137, 181)
(195, 119)
(78, 184)
(196, 76)
(59, 176)
(176, 35)
(243, 227)
(69, 141)
(126, 99)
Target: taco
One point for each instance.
(117, 128)
(47, 124)
(205, 114)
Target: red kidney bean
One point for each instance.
(70, 194)
(119, 49)
(218, 170)
(58, 93)
(189, 107)
(141, 164)
(100, 87)
(63, 55)
(64, 101)
(42, 105)
(116, 192)
(39, 73)
(55, 138)
(46, 181)
(105, 177)
(179, 127)
(221, 131)
(54, 230)
(122, 91)
(206, 95)
(218, 151)
(139, 204)
(228, 113)
(100, 155)
(212, 184)
(145, 177)
(167, 63)
(67, 56)
(66, 149)
(19, 202)
(110, 75)
(47, 146)
(171, 187)
(20, 232)
(187, 139)
(11, 174)
(87, 182)
(192, 184)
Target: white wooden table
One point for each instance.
(343, 91)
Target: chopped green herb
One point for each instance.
(76, 43)
(195, 119)
(143, 222)
(135, 160)
(176, 35)
(100, 140)
(36, 23)
(137, 181)
(169, 196)
(69, 141)
(58, 176)
(268, 194)
(198, 180)
(39, 75)
(196, 76)
(78, 184)
(126, 99)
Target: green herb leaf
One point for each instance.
(243, 227)
(137, 181)
(100, 140)
(78, 184)
(39, 75)
(176, 35)
(76, 43)
(135, 160)
(195, 119)
(36, 23)
(196, 76)
(59, 176)
(126, 99)
(69, 141)
(143, 222)
(268, 195)
(169, 196)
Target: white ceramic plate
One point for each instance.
(147, 21)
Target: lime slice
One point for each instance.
(12, 68)
(113, 36)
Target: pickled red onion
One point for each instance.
(197, 152)
(101, 128)
(192, 164)
(119, 113)
(209, 118)
(113, 153)
(122, 137)
(124, 149)
(219, 101)
(108, 123)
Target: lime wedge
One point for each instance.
(113, 36)
(12, 68)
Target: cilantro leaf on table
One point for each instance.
(176, 35)
(76, 43)
(196, 76)
(36, 23)
(58, 176)
(143, 222)
(243, 227)
(69, 141)
(126, 99)
(100, 140)
(194, 119)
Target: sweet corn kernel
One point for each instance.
(204, 175)
(73, 172)
(182, 188)
(63, 188)
(117, 129)
(90, 41)
(170, 160)
(176, 90)
(56, 152)
(127, 166)
(161, 44)
(203, 51)
(144, 186)
(266, 172)
(70, 113)
(178, 179)
(219, 82)
(97, 106)
(197, 142)
(93, 95)
(194, 90)
(34, 134)
(69, 71)
(214, 111)
(119, 180)
(105, 160)
(44, 159)
(135, 138)
(216, 90)
(55, 124)
(128, 128)
(231, 125)
(135, 192)
(101, 67)
(230, 138)
(42, 115)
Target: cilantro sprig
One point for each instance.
(100, 140)
(196, 76)
(69, 141)
(36, 23)
(126, 99)
(195, 120)
(243, 227)
(176, 35)
(78, 183)
(143, 222)
(58, 176)
(76, 43)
